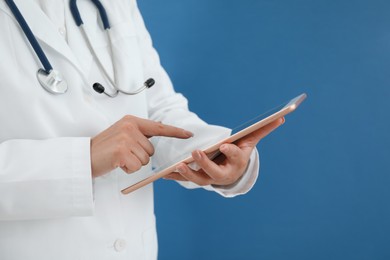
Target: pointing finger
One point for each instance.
(151, 128)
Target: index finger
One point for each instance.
(150, 128)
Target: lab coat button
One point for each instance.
(62, 31)
(120, 245)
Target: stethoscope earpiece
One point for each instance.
(100, 89)
(149, 83)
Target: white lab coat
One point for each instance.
(50, 208)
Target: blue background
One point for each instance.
(323, 191)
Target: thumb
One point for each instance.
(253, 138)
(234, 153)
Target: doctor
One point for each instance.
(64, 158)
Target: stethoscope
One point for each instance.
(51, 79)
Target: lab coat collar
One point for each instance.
(45, 31)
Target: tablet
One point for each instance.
(213, 150)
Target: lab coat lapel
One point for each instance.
(45, 31)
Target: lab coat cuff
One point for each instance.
(242, 185)
(83, 204)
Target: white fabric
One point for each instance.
(50, 208)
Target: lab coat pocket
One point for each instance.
(122, 30)
(149, 237)
(119, 54)
(126, 51)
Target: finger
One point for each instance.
(208, 166)
(175, 176)
(151, 128)
(199, 177)
(236, 156)
(145, 144)
(141, 154)
(219, 159)
(130, 163)
(252, 139)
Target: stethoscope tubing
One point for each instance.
(106, 24)
(30, 36)
(54, 83)
(77, 17)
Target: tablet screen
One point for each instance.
(257, 118)
(217, 137)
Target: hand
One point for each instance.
(227, 168)
(125, 144)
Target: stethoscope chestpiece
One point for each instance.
(52, 82)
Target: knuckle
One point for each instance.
(116, 153)
(128, 118)
(145, 160)
(119, 157)
(160, 127)
(128, 126)
(202, 182)
(119, 150)
(132, 169)
(116, 163)
(152, 151)
(148, 148)
(234, 152)
(122, 136)
(137, 165)
(126, 170)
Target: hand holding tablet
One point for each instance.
(213, 150)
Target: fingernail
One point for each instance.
(283, 120)
(197, 155)
(188, 133)
(224, 148)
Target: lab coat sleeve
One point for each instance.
(42, 179)
(240, 187)
(169, 107)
